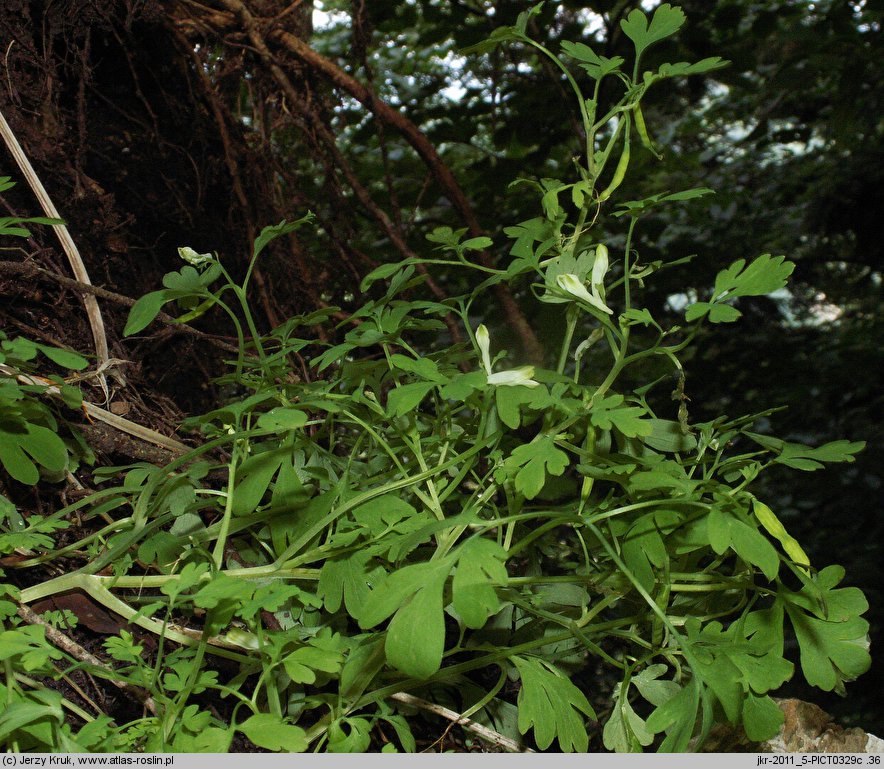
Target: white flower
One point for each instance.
(483, 339)
(512, 377)
(192, 257)
(599, 268)
(571, 284)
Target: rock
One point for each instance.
(807, 729)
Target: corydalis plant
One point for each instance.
(417, 521)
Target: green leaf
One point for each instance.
(498, 36)
(222, 589)
(274, 733)
(677, 716)
(24, 713)
(832, 652)
(364, 662)
(762, 276)
(754, 548)
(526, 234)
(642, 548)
(521, 25)
(29, 644)
(382, 272)
(65, 358)
(596, 66)
(477, 244)
(510, 399)
(145, 310)
(806, 458)
(15, 461)
(282, 418)
(697, 310)
(45, 447)
(683, 68)
(347, 579)
(406, 398)
(726, 531)
(480, 567)
(635, 207)
(275, 231)
(552, 705)
(416, 634)
(22, 448)
(356, 740)
(762, 718)
(535, 460)
(666, 21)
(668, 436)
(302, 664)
(253, 479)
(654, 689)
(425, 368)
(625, 731)
(392, 592)
(723, 313)
(610, 412)
(378, 514)
(718, 530)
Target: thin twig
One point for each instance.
(240, 18)
(96, 412)
(495, 738)
(96, 322)
(28, 269)
(61, 641)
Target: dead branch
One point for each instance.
(31, 270)
(489, 735)
(61, 641)
(96, 322)
(239, 17)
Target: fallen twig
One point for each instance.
(96, 322)
(61, 641)
(96, 412)
(495, 738)
(28, 269)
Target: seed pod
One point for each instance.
(767, 518)
(620, 171)
(643, 132)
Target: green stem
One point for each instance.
(571, 324)
(221, 541)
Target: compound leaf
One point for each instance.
(552, 705)
(762, 276)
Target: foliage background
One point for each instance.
(157, 125)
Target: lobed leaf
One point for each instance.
(665, 22)
(550, 704)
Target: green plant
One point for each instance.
(423, 518)
(30, 445)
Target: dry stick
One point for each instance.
(28, 269)
(96, 322)
(413, 136)
(96, 412)
(495, 738)
(61, 641)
